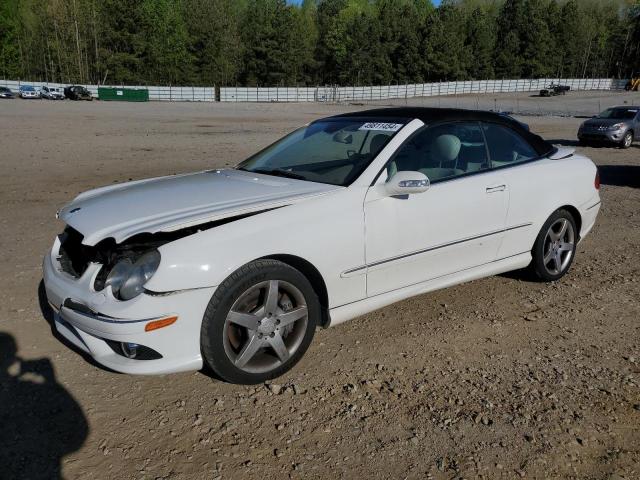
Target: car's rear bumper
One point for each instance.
(97, 323)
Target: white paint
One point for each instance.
(370, 248)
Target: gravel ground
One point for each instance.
(498, 379)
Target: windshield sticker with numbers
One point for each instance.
(384, 127)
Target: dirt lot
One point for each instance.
(499, 378)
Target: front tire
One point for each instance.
(259, 322)
(627, 140)
(555, 247)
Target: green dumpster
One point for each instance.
(123, 94)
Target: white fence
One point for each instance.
(341, 94)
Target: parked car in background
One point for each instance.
(77, 92)
(615, 126)
(28, 92)
(5, 92)
(236, 267)
(52, 93)
(554, 89)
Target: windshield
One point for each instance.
(27, 88)
(4, 89)
(619, 113)
(334, 151)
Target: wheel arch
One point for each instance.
(313, 275)
(575, 213)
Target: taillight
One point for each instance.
(596, 182)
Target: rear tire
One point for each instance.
(555, 247)
(259, 322)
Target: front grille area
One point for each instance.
(74, 257)
(593, 136)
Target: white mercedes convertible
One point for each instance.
(236, 268)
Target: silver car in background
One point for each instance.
(5, 92)
(27, 91)
(51, 93)
(618, 125)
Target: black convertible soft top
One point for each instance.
(436, 115)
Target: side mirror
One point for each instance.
(407, 183)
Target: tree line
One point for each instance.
(315, 42)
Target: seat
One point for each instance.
(406, 160)
(444, 151)
(377, 142)
(473, 158)
(506, 154)
(439, 161)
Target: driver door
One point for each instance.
(457, 224)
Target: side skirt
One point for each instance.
(350, 311)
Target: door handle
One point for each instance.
(497, 188)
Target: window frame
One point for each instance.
(424, 129)
(480, 124)
(512, 130)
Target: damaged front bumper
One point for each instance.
(97, 323)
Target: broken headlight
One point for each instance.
(127, 279)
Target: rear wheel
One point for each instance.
(555, 246)
(259, 322)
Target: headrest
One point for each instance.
(377, 142)
(447, 147)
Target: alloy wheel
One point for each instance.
(559, 245)
(265, 326)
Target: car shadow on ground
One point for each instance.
(40, 421)
(620, 175)
(524, 275)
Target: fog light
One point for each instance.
(129, 350)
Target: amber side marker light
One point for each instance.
(156, 324)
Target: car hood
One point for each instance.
(179, 201)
